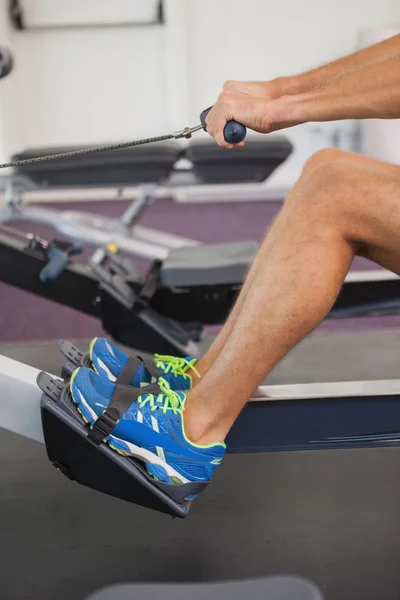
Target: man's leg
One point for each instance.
(337, 211)
(322, 158)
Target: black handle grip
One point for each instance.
(58, 253)
(58, 260)
(234, 132)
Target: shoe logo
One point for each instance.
(216, 461)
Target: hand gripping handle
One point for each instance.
(234, 132)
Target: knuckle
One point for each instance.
(225, 97)
(229, 84)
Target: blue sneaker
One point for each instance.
(108, 360)
(151, 429)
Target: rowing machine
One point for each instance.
(277, 418)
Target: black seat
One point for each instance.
(128, 166)
(269, 588)
(208, 264)
(253, 163)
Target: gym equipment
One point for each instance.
(165, 309)
(198, 283)
(234, 133)
(332, 415)
(267, 588)
(146, 168)
(56, 253)
(212, 274)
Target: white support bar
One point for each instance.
(370, 275)
(332, 389)
(20, 396)
(169, 240)
(20, 399)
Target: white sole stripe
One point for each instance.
(137, 451)
(111, 351)
(160, 451)
(100, 365)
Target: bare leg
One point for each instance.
(339, 210)
(324, 157)
(205, 363)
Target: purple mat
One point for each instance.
(26, 317)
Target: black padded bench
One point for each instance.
(154, 163)
(253, 163)
(128, 166)
(202, 265)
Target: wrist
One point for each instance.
(290, 86)
(322, 105)
(286, 111)
(280, 86)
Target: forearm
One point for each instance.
(321, 76)
(369, 92)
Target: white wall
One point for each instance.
(97, 85)
(8, 93)
(262, 39)
(379, 137)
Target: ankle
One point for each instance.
(198, 371)
(195, 375)
(200, 426)
(202, 436)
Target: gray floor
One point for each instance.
(330, 516)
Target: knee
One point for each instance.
(327, 191)
(326, 185)
(327, 156)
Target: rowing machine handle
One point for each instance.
(234, 132)
(58, 260)
(58, 254)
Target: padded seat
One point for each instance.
(253, 163)
(152, 163)
(216, 264)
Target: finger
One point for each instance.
(208, 118)
(221, 141)
(215, 122)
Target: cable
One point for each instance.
(39, 159)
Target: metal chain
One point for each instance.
(29, 161)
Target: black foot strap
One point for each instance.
(131, 367)
(122, 398)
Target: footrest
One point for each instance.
(206, 265)
(98, 466)
(75, 358)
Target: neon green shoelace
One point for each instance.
(176, 365)
(168, 400)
